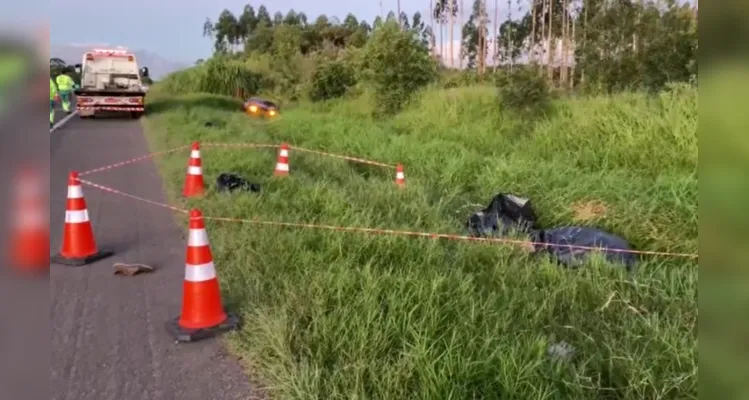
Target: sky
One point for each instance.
(174, 29)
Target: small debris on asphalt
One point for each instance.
(131, 269)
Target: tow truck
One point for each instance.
(110, 82)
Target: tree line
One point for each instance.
(605, 44)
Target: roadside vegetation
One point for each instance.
(335, 315)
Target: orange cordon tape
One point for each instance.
(380, 231)
(113, 108)
(133, 160)
(115, 191)
(242, 145)
(234, 145)
(347, 158)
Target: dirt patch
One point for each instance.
(587, 211)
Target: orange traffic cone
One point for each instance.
(78, 244)
(400, 178)
(194, 179)
(30, 237)
(203, 313)
(282, 165)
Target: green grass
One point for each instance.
(331, 315)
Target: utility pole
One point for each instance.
(382, 12)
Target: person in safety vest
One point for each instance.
(52, 96)
(65, 87)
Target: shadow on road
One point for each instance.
(161, 105)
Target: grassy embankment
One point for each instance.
(341, 315)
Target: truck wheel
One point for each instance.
(136, 114)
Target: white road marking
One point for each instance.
(63, 121)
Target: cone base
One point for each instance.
(193, 194)
(181, 334)
(80, 261)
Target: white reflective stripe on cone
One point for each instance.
(284, 153)
(195, 154)
(282, 167)
(76, 217)
(200, 272)
(197, 238)
(75, 192)
(195, 170)
(399, 175)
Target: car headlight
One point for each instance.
(272, 113)
(253, 108)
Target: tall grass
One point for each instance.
(333, 315)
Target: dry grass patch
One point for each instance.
(589, 211)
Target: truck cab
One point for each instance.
(110, 82)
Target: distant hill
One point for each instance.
(158, 66)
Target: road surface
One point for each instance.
(108, 337)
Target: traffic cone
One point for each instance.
(30, 236)
(282, 164)
(194, 179)
(400, 178)
(203, 314)
(78, 244)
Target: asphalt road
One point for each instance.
(108, 338)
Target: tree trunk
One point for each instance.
(510, 43)
(552, 48)
(442, 42)
(481, 34)
(495, 35)
(543, 36)
(461, 21)
(532, 50)
(452, 25)
(432, 40)
(563, 61)
(585, 40)
(400, 23)
(574, 46)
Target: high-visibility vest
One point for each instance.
(52, 89)
(64, 82)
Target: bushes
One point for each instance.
(331, 80)
(524, 91)
(228, 77)
(400, 65)
(217, 76)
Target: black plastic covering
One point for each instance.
(506, 214)
(227, 182)
(562, 243)
(509, 214)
